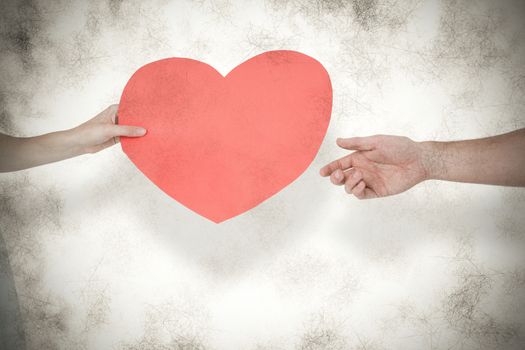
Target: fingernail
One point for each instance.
(356, 175)
(141, 131)
(338, 175)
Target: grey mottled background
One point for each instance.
(101, 259)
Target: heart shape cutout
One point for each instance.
(222, 145)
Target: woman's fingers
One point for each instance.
(99, 147)
(112, 112)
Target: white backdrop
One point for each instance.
(102, 259)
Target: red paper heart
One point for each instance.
(222, 145)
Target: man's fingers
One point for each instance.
(341, 163)
(359, 190)
(352, 180)
(337, 177)
(356, 143)
(127, 130)
(370, 193)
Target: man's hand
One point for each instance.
(385, 165)
(380, 166)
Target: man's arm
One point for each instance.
(384, 165)
(17, 153)
(497, 160)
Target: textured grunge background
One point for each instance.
(101, 259)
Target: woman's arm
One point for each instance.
(17, 153)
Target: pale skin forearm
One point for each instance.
(497, 160)
(98, 133)
(17, 153)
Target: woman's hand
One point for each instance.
(102, 131)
